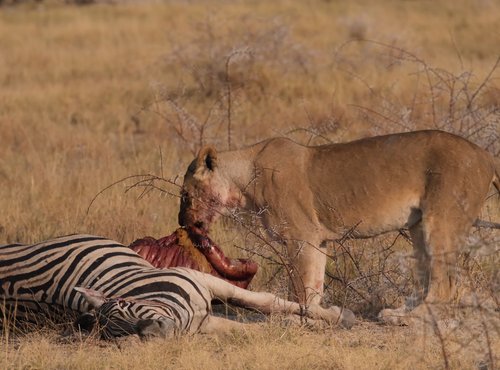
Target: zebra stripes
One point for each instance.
(72, 274)
(41, 278)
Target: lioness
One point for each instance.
(431, 182)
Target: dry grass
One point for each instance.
(269, 346)
(93, 94)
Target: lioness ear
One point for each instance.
(207, 157)
(93, 297)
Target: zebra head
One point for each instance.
(118, 317)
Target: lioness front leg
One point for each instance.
(307, 271)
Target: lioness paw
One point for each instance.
(342, 316)
(347, 319)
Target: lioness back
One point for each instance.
(376, 183)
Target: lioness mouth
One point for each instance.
(199, 225)
(191, 247)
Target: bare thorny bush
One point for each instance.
(453, 102)
(442, 100)
(365, 276)
(221, 72)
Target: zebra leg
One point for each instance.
(218, 325)
(269, 303)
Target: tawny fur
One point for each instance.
(431, 182)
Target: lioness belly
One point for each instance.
(373, 215)
(368, 188)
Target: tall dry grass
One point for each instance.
(90, 95)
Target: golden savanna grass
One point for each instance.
(90, 95)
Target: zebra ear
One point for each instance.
(93, 297)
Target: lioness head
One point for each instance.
(206, 192)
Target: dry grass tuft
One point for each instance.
(91, 95)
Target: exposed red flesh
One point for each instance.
(192, 248)
(235, 269)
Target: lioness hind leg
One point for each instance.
(442, 248)
(422, 275)
(421, 268)
(435, 266)
(449, 209)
